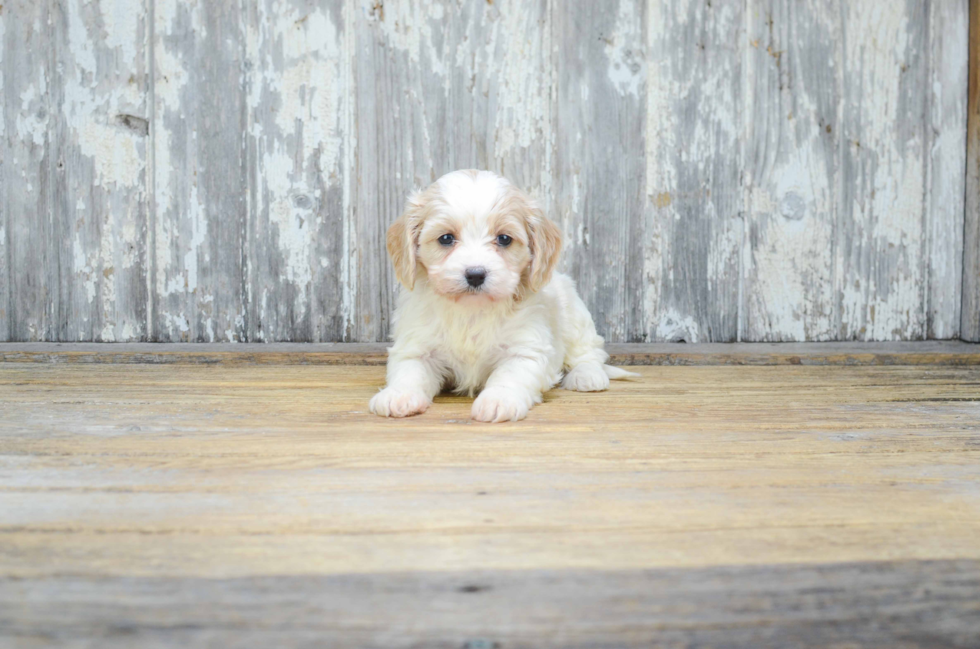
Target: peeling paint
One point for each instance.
(197, 219)
(293, 224)
(32, 121)
(108, 334)
(889, 162)
(306, 89)
(692, 132)
(309, 85)
(122, 19)
(84, 265)
(805, 175)
(409, 28)
(675, 327)
(178, 322)
(87, 106)
(129, 333)
(626, 64)
(523, 111)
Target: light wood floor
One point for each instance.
(261, 505)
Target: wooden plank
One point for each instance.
(440, 87)
(75, 187)
(946, 164)
(693, 124)
(778, 505)
(233, 471)
(299, 180)
(252, 203)
(99, 95)
(32, 233)
(199, 353)
(881, 274)
(874, 604)
(902, 353)
(6, 169)
(970, 313)
(791, 124)
(915, 353)
(600, 192)
(200, 193)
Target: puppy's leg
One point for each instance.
(585, 358)
(412, 383)
(513, 387)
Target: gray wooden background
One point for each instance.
(225, 170)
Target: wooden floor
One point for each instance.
(260, 505)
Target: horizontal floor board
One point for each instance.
(937, 352)
(238, 505)
(897, 605)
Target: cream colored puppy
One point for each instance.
(481, 310)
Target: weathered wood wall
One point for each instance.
(731, 170)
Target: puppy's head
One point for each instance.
(476, 237)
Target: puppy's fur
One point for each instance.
(511, 337)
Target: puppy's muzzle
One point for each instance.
(476, 276)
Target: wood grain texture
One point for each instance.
(694, 107)
(881, 275)
(200, 189)
(900, 605)
(898, 353)
(32, 232)
(225, 171)
(790, 172)
(74, 196)
(100, 85)
(600, 192)
(755, 505)
(946, 159)
(970, 315)
(299, 175)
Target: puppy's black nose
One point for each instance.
(476, 276)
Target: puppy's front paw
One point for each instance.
(392, 402)
(501, 404)
(586, 377)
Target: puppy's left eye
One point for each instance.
(503, 240)
(447, 239)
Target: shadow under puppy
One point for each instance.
(482, 310)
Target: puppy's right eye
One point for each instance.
(447, 239)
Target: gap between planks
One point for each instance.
(888, 353)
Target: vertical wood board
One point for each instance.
(600, 185)
(30, 234)
(946, 159)
(199, 191)
(298, 174)
(881, 273)
(790, 176)
(694, 107)
(99, 199)
(6, 167)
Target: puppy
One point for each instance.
(481, 310)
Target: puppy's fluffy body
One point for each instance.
(512, 334)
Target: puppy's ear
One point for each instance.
(403, 241)
(545, 240)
